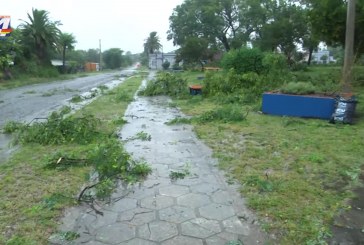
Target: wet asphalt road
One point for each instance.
(23, 104)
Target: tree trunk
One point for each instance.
(310, 51)
(64, 60)
(225, 42)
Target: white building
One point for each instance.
(157, 59)
(322, 57)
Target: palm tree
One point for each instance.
(152, 43)
(66, 41)
(40, 34)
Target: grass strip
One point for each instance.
(33, 196)
(297, 174)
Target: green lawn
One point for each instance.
(297, 174)
(32, 196)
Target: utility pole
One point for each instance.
(100, 68)
(349, 47)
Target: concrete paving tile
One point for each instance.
(183, 240)
(107, 218)
(138, 216)
(157, 231)
(234, 225)
(222, 197)
(174, 190)
(138, 241)
(122, 205)
(222, 238)
(176, 214)
(193, 200)
(206, 188)
(157, 202)
(93, 243)
(200, 228)
(115, 234)
(188, 181)
(217, 211)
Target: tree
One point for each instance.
(214, 20)
(40, 35)
(285, 28)
(329, 22)
(193, 50)
(93, 55)
(66, 41)
(10, 52)
(113, 58)
(152, 43)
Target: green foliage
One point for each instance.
(298, 88)
(275, 63)
(329, 21)
(166, 65)
(166, 84)
(143, 136)
(243, 60)
(111, 161)
(69, 235)
(12, 126)
(58, 130)
(123, 96)
(226, 113)
(181, 174)
(40, 35)
(152, 43)
(113, 58)
(193, 50)
(179, 120)
(76, 99)
(65, 110)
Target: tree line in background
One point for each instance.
(203, 28)
(33, 44)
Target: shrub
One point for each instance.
(166, 65)
(12, 126)
(216, 84)
(166, 84)
(274, 63)
(243, 60)
(227, 113)
(298, 88)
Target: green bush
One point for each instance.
(276, 63)
(298, 88)
(244, 60)
(12, 126)
(166, 84)
(166, 65)
(227, 113)
(217, 83)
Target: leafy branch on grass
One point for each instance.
(181, 174)
(56, 130)
(143, 136)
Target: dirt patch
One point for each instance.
(348, 227)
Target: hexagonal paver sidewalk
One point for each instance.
(197, 209)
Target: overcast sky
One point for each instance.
(123, 24)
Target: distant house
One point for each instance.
(323, 57)
(157, 59)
